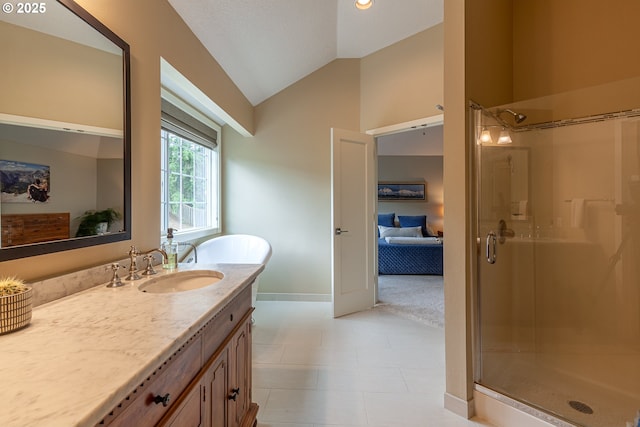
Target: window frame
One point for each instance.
(216, 173)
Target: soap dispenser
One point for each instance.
(171, 249)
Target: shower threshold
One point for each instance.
(523, 382)
(522, 407)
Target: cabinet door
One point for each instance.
(239, 378)
(216, 381)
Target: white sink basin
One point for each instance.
(181, 281)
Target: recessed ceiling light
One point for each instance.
(364, 4)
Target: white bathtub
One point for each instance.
(236, 249)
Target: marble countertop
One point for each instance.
(81, 355)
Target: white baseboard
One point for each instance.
(294, 297)
(464, 408)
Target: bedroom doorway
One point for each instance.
(413, 152)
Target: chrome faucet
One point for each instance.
(133, 267)
(115, 281)
(149, 270)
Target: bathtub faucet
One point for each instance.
(195, 251)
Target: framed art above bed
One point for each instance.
(408, 191)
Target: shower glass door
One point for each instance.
(558, 278)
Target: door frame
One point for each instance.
(436, 120)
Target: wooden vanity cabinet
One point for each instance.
(219, 392)
(223, 387)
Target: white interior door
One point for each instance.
(353, 224)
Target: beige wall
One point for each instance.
(45, 69)
(458, 259)
(582, 45)
(489, 41)
(277, 184)
(152, 29)
(403, 82)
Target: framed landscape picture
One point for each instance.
(22, 182)
(388, 191)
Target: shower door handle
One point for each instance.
(491, 247)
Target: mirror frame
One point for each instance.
(15, 252)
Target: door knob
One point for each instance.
(234, 394)
(162, 399)
(339, 231)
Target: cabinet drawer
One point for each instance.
(171, 379)
(224, 322)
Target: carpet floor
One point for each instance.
(419, 298)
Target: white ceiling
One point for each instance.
(427, 141)
(60, 23)
(266, 45)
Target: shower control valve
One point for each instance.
(504, 232)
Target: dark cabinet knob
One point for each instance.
(234, 394)
(162, 399)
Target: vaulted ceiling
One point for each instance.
(266, 45)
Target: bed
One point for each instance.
(408, 249)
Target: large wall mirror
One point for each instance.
(65, 166)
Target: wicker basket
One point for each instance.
(15, 311)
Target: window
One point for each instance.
(190, 172)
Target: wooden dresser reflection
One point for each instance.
(23, 229)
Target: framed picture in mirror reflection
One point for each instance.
(22, 182)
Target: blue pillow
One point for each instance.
(414, 221)
(388, 220)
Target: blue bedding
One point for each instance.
(409, 259)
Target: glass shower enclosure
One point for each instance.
(558, 269)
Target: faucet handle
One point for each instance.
(149, 270)
(115, 281)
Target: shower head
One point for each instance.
(518, 117)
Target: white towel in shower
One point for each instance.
(577, 213)
(522, 209)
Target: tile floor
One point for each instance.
(368, 369)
